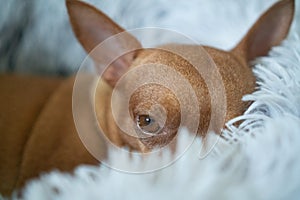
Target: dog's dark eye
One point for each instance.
(147, 124)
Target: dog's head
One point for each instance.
(154, 110)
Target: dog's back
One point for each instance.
(37, 129)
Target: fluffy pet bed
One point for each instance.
(259, 159)
(36, 36)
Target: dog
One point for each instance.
(38, 133)
(233, 66)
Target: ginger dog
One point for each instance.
(36, 123)
(92, 27)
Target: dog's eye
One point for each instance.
(147, 124)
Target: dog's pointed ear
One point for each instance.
(91, 28)
(268, 31)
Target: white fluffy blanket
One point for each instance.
(36, 36)
(257, 160)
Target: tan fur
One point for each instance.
(37, 130)
(240, 82)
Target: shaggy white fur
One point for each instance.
(257, 160)
(36, 36)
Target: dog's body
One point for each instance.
(44, 132)
(37, 131)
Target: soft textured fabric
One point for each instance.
(36, 36)
(257, 160)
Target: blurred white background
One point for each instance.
(36, 38)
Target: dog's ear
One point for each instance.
(269, 30)
(91, 28)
